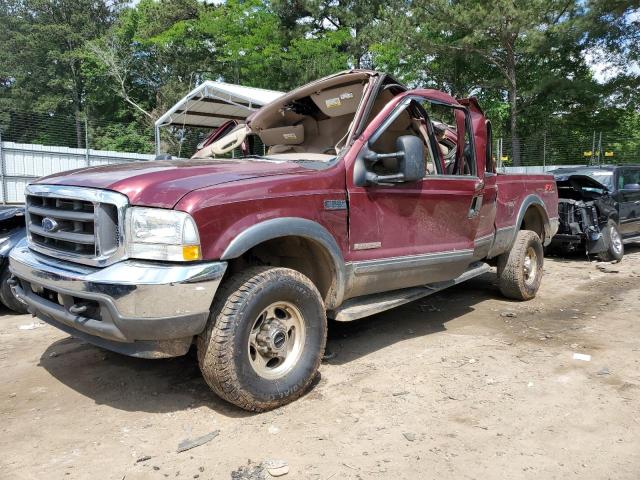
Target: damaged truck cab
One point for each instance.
(359, 204)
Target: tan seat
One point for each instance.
(283, 139)
(272, 150)
(319, 136)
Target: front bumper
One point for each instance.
(144, 309)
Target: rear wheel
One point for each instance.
(615, 251)
(265, 338)
(520, 269)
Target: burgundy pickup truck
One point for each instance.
(367, 196)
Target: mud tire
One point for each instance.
(512, 277)
(223, 350)
(6, 294)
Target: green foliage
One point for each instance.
(121, 137)
(122, 64)
(42, 42)
(529, 56)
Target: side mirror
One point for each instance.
(411, 163)
(632, 187)
(411, 166)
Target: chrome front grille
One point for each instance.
(60, 224)
(80, 224)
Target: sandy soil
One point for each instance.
(459, 385)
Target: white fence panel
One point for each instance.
(534, 169)
(23, 162)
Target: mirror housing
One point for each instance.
(411, 165)
(631, 187)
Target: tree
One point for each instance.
(355, 21)
(158, 50)
(43, 41)
(122, 62)
(530, 50)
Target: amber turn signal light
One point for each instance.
(191, 252)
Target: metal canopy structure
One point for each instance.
(213, 103)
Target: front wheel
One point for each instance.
(265, 338)
(520, 269)
(7, 297)
(615, 251)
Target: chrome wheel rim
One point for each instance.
(616, 241)
(276, 340)
(530, 266)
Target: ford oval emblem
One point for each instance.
(49, 224)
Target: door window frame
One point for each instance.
(403, 105)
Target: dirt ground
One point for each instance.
(460, 385)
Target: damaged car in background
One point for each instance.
(12, 230)
(599, 209)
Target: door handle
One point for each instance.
(476, 204)
(637, 202)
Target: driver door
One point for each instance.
(410, 233)
(629, 201)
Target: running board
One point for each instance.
(366, 305)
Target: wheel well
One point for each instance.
(533, 220)
(297, 253)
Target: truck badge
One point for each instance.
(49, 225)
(335, 204)
(367, 246)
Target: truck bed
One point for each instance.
(515, 191)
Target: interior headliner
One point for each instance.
(272, 115)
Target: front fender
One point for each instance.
(290, 227)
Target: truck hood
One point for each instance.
(164, 183)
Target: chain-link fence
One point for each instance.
(88, 133)
(545, 149)
(34, 144)
(569, 148)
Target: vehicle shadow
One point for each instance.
(631, 248)
(577, 256)
(133, 384)
(175, 384)
(349, 341)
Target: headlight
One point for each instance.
(159, 234)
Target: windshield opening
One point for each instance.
(310, 124)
